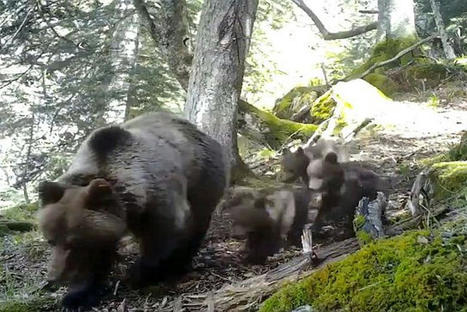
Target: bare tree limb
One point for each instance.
(170, 35)
(368, 11)
(329, 35)
(397, 56)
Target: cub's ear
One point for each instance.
(300, 151)
(50, 192)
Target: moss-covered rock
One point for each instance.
(350, 104)
(449, 178)
(382, 82)
(273, 130)
(294, 101)
(322, 108)
(448, 174)
(412, 272)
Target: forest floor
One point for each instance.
(395, 151)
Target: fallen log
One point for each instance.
(248, 294)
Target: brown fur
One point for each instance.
(270, 218)
(157, 177)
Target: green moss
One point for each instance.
(276, 130)
(455, 153)
(322, 108)
(398, 274)
(384, 51)
(382, 82)
(363, 237)
(293, 101)
(450, 178)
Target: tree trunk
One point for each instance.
(214, 88)
(448, 51)
(124, 50)
(396, 19)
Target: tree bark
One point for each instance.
(214, 88)
(124, 50)
(396, 19)
(329, 35)
(170, 32)
(448, 51)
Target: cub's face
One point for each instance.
(76, 223)
(325, 175)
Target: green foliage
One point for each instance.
(404, 273)
(433, 101)
(459, 151)
(260, 69)
(454, 14)
(362, 236)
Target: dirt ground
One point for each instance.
(220, 260)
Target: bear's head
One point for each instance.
(80, 224)
(326, 175)
(293, 165)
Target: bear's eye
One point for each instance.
(51, 242)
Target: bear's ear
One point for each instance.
(50, 192)
(300, 151)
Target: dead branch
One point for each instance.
(396, 57)
(329, 35)
(372, 211)
(420, 194)
(368, 11)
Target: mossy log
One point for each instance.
(263, 126)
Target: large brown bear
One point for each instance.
(156, 176)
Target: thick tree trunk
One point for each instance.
(222, 41)
(124, 50)
(396, 19)
(448, 51)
